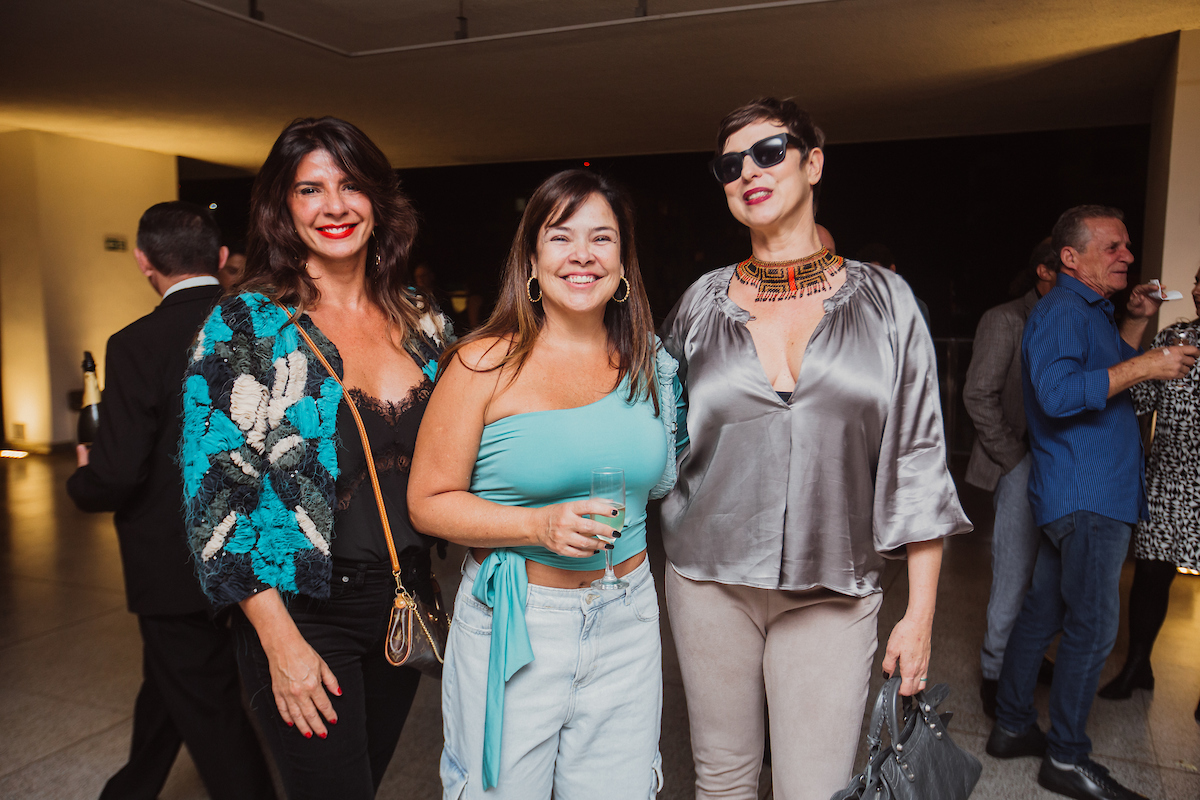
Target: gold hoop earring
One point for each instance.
(628, 289)
(529, 289)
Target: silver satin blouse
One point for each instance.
(820, 489)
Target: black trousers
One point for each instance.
(190, 695)
(1148, 600)
(348, 631)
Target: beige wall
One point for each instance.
(61, 292)
(24, 368)
(1172, 249)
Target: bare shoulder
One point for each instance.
(482, 355)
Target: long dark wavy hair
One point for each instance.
(518, 321)
(275, 254)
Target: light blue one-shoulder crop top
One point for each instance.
(537, 459)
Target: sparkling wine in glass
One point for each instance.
(1177, 338)
(608, 484)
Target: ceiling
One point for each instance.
(199, 78)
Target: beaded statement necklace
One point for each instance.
(783, 280)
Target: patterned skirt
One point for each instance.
(1173, 476)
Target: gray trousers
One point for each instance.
(807, 655)
(1015, 540)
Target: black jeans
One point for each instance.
(348, 631)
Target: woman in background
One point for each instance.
(282, 519)
(1170, 539)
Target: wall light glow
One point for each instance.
(13, 454)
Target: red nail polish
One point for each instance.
(308, 734)
(322, 735)
(290, 724)
(333, 722)
(339, 691)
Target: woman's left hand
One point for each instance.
(909, 645)
(908, 650)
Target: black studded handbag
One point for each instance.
(921, 762)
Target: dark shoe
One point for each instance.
(987, 694)
(1002, 744)
(1136, 674)
(1046, 672)
(1085, 781)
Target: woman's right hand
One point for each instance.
(299, 676)
(563, 528)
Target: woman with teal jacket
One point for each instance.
(281, 518)
(551, 686)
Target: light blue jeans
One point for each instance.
(583, 719)
(1015, 539)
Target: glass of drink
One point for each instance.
(608, 484)
(1178, 338)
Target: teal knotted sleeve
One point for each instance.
(502, 585)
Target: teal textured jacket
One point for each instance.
(258, 449)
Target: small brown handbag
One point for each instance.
(417, 631)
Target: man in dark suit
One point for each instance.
(190, 690)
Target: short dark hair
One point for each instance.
(785, 112)
(180, 238)
(1044, 254)
(275, 254)
(1071, 230)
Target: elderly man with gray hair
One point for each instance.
(1086, 489)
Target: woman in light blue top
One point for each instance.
(551, 686)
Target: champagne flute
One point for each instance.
(608, 484)
(1179, 337)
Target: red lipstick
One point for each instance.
(338, 234)
(756, 196)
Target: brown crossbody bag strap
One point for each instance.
(383, 515)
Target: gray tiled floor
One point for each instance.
(70, 657)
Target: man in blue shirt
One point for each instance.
(1086, 490)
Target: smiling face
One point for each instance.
(332, 216)
(578, 260)
(1103, 264)
(769, 199)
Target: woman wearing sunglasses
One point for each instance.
(816, 453)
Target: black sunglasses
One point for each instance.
(765, 153)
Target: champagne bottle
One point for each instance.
(89, 413)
